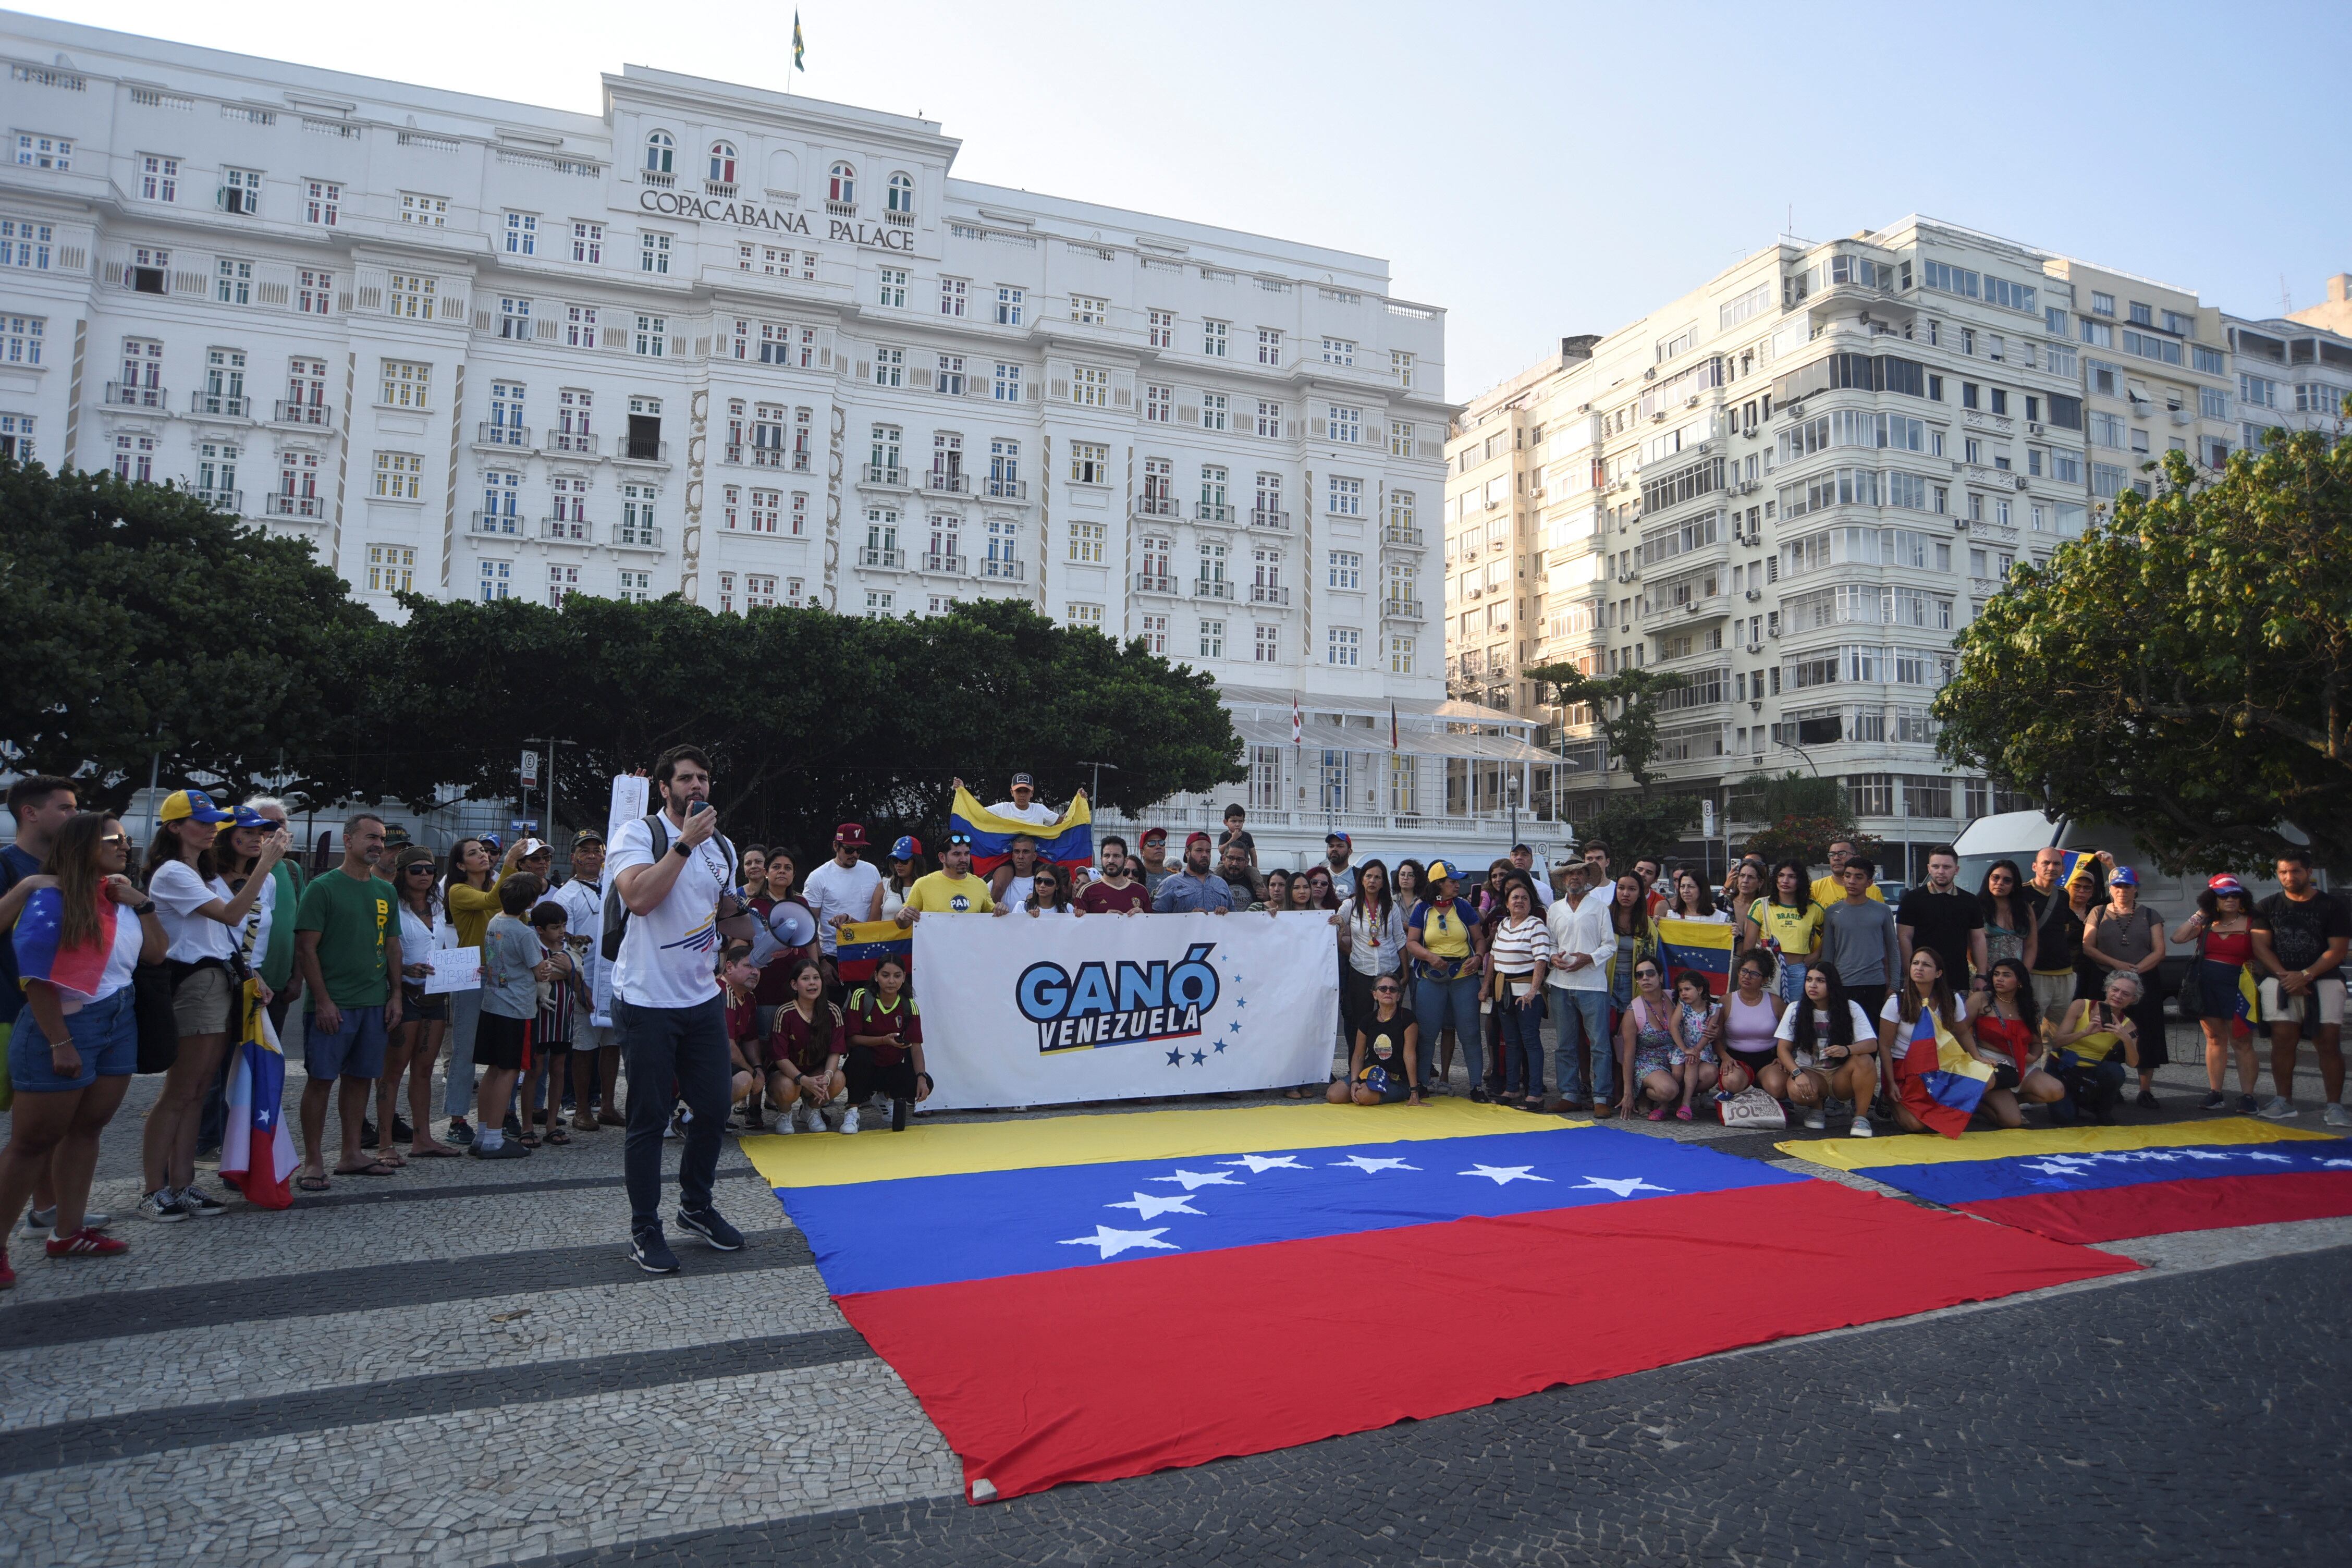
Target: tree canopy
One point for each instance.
(2185, 667)
(1803, 814)
(142, 623)
(1625, 707)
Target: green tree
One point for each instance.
(2186, 667)
(1634, 824)
(1802, 814)
(1625, 707)
(143, 624)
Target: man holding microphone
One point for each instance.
(674, 874)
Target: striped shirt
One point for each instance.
(1520, 945)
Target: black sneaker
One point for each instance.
(367, 1133)
(461, 1132)
(898, 1111)
(711, 1226)
(649, 1251)
(507, 1149)
(402, 1132)
(512, 1125)
(2147, 1099)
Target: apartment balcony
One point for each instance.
(656, 178)
(883, 560)
(637, 536)
(1401, 610)
(567, 530)
(314, 507)
(1004, 570)
(721, 188)
(511, 438)
(126, 395)
(1977, 419)
(883, 477)
(899, 219)
(1269, 593)
(943, 565)
(579, 445)
(1006, 489)
(499, 525)
(762, 457)
(954, 484)
(1213, 589)
(1679, 611)
(1403, 538)
(309, 415)
(220, 404)
(230, 501)
(1146, 583)
(1261, 516)
(1211, 512)
(841, 209)
(1155, 505)
(632, 450)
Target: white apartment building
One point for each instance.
(2294, 372)
(748, 348)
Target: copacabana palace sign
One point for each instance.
(774, 220)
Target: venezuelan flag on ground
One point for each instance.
(1940, 1084)
(1069, 842)
(862, 944)
(1082, 1297)
(1698, 947)
(2104, 1183)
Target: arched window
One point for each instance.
(722, 163)
(844, 187)
(660, 153)
(902, 194)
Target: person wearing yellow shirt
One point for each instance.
(471, 897)
(1789, 923)
(952, 890)
(1831, 889)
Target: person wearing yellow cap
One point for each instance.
(1443, 939)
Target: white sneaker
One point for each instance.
(1860, 1128)
(39, 1223)
(1815, 1119)
(788, 1122)
(813, 1115)
(849, 1119)
(2278, 1109)
(2334, 1115)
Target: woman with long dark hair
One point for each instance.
(1372, 942)
(1788, 922)
(2008, 1027)
(425, 929)
(209, 941)
(775, 986)
(1049, 894)
(1693, 902)
(83, 929)
(890, 893)
(1828, 1049)
(2222, 928)
(470, 896)
(1278, 893)
(1319, 883)
(1909, 1058)
(2008, 915)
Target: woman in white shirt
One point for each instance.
(425, 929)
(204, 925)
(890, 892)
(1691, 901)
(1827, 1048)
(1372, 941)
(1518, 953)
(1910, 1059)
(1049, 894)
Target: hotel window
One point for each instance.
(952, 291)
(37, 152)
(1346, 498)
(514, 319)
(315, 293)
(1216, 411)
(392, 568)
(1347, 569)
(951, 375)
(297, 485)
(900, 197)
(134, 458)
(522, 233)
(1005, 385)
(216, 474)
(1155, 633)
(890, 367)
(661, 153)
(565, 580)
(1213, 339)
(409, 295)
(404, 384)
(1346, 424)
(637, 587)
(1343, 647)
(571, 504)
(1089, 387)
(25, 244)
(893, 287)
(1269, 347)
(1159, 329)
(159, 179)
(399, 476)
(1338, 351)
(1159, 404)
(722, 164)
(653, 251)
(1213, 639)
(1269, 419)
(1009, 302)
(588, 242)
(1087, 542)
(638, 515)
(240, 192)
(767, 507)
(505, 415)
(732, 507)
(758, 591)
(1089, 310)
(2104, 304)
(842, 185)
(1268, 646)
(1401, 367)
(880, 604)
(429, 212)
(1090, 463)
(232, 282)
(652, 338)
(1401, 655)
(1086, 618)
(1400, 440)
(580, 326)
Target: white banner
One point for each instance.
(1048, 1011)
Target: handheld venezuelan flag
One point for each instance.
(862, 944)
(1700, 948)
(2091, 1184)
(256, 1150)
(1940, 1083)
(1091, 1296)
(75, 971)
(1069, 842)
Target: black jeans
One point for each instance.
(673, 1054)
(866, 1074)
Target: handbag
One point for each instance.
(1751, 1107)
(2191, 999)
(159, 1028)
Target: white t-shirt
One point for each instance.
(1892, 1014)
(179, 893)
(834, 889)
(1037, 811)
(1017, 890)
(421, 934)
(1024, 908)
(583, 908)
(1720, 918)
(130, 936)
(1862, 1031)
(258, 919)
(669, 955)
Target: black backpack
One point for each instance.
(616, 913)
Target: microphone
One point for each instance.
(697, 808)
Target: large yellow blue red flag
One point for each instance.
(1697, 947)
(1939, 1082)
(1068, 842)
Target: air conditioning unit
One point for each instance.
(2034, 428)
(1959, 525)
(2021, 481)
(1691, 608)
(1624, 576)
(1691, 401)
(1584, 408)
(1756, 705)
(1755, 647)
(1773, 631)
(1754, 595)
(1794, 411)
(1651, 374)
(1659, 417)
(1748, 487)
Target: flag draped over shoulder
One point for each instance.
(862, 944)
(1941, 1084)
(1697, 947)
(1069, 842)
(256, 1150)
(76, 971)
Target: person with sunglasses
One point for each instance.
(1049, 894)
(425, 929)
(952, 890)
(1384, 1064)
(890, 892)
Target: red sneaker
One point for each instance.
(86, 1243)
(8, 1274)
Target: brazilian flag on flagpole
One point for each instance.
(800, 50)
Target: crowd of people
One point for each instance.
(710, 980)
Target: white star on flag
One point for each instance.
(2054, 1168)
(1196, 1179)
(1261, 1163)
(2273, 1159)
(2202, 1154)
(1146, 1206)
(1111, 1243)
(1624, 1188)
(2335, 1164)
(1363, 1163)
(1503, 1175)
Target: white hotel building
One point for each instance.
(745, 347)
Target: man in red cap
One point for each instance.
(1195, 888)
(840, 890)
(1152, 859)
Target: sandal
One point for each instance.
(558, 1136)
(584, 1122)
(312, 1183)
(1683, 1113)
(528, 1140)
(373, 1168)
(436, 1152)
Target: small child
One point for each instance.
(512, 960)
(885, 1046)
(741, 976)
(1696, 1019)
(551, 1032)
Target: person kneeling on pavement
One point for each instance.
(1385, 1065)
(2095, 1044)
(886, 1046)
(806, 1047)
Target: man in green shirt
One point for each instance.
(347, 945)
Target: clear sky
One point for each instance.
(1536, 170)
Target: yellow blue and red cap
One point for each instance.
(183, 805)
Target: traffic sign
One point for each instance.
(530, 767)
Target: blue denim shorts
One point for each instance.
(105, 1032)
(355, 1051)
